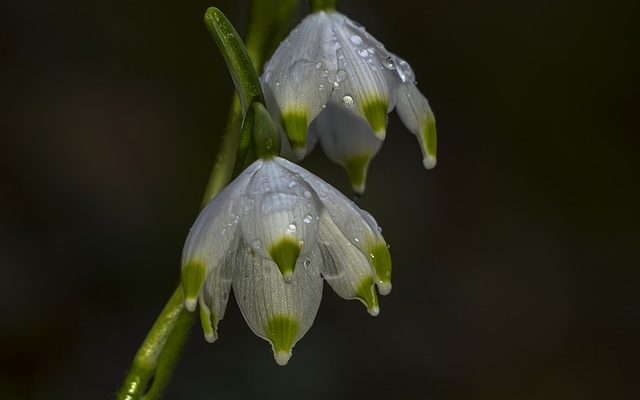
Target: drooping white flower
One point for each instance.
(328, 60)
(273, 234)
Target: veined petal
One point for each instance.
(348, 140)
(364, 84)
(214, 297)
(295, 79)
(280, 216)
(415, 112)
(345, 268)
(278, 312)
(211, 236)
(357, 225)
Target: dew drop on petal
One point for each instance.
(355, 39)
(277, 83)
(307, 219)
(363, 53)
(321, 87)
(256, 243)
(371, 50)
(341, 75)
(307, 194)
(307, 263)
(292, 228)
(347, 101)
(291, 184)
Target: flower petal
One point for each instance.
(280, 216)
(278, 312)
(415, 112)
(211, 236)
(213, 301)
(348, 140)
(356, 225)
(295, 80)
(345, 268)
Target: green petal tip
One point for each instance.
(193, 274)
(284, 252)
(282, 331)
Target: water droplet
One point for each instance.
(321, 87)
(307, 194)
(318, 65)
(277, 83)
(341, 75)
(235, 218)
(380, 229)
(336, 84)
(267, 76)
(347, 101)
(292, 184)
(363, 53)
(307, 219)
(256, 243)
(355, 39)
(307, 263)
(324, 73)
(323, 106)
(356, 240)
(292, 228)
(371, 50)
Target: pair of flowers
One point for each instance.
(277, 230)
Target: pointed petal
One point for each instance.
(280, 216)
(357, 225)
(415, 112)
(363, 83)
(295, 79)
(348, 140)
(278, 312)
(345, 268)
(211, 236)
(215, 294)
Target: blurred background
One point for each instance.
(516, 266)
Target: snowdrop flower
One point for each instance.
(329, 66)
(273, 234)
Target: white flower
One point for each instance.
(328, 60)
(273, 234)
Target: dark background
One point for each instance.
(516, 266)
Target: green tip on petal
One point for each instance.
(295, 123)
(282, 331)
(284, 253)
(193, 274)
(429, 142)
(209, 323)
(380, 260)
(357, 167)
(375, 111)
(366, 293)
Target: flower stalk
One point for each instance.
(156, 358)
(322, 5)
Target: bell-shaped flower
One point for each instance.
(328, 60)
(272, 235)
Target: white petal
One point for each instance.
(364, 84)
(348, 140)
(214, 297)
(415, 112)
(295, 78)
(357, 225)
(346, 268)
(279, 206)
(212, 234)
(278, 312)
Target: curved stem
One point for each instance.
(155, 359)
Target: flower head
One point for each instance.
(328, 60)
(273, 234)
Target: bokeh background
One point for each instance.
(516, 265)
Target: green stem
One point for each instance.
(269, 22)
(322, 5)
(156, 358)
